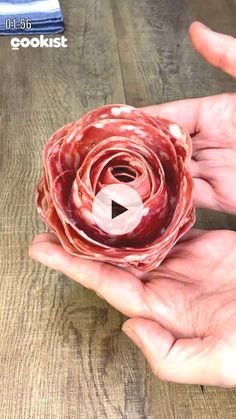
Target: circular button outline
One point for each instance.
(125, 196)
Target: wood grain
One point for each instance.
(62, 352)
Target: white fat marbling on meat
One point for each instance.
(131, 258)
(100, 124)
(175, 131)
(55, 148)
(164, 155)
(139, 132)
(117, 111)
(79, 137)
(70, 138)
(130, 127)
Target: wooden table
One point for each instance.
(62, 352)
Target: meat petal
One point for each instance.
(110, 145)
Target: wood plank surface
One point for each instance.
(62, 352)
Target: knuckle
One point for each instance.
(159, 372)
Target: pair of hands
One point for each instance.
(183, 315)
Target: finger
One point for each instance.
(48, 237)
(204, 196)
(190, 235)
(120, 288)
(201, 187)
(192, 361)
(218, 49)
(184, 112)
(203, 192)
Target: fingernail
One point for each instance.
(132, 335)
(204, 26)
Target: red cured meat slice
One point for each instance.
(116, 144)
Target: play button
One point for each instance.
(117, 209)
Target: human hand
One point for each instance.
(183, 314)
(211, 122)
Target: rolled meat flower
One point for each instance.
(118, 144)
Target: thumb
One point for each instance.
(191, 361)
(218, 49)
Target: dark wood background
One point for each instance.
(62, 352)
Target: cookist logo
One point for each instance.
(41, 42)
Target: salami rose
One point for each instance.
(110, 145)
